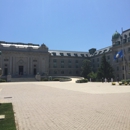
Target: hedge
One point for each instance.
(82, 81)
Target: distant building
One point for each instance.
(20, 59)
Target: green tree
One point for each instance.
(86, 68)
(93, 76)
(105, 70)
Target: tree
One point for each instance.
(86, 68)
(105, 70)
(93, 76)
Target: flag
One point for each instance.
(119, 54)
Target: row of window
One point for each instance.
(122, 68)
(62, 66)
(98, 59)
(63, 72)
(62, 61)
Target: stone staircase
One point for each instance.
(23, 79)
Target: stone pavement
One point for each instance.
(68, 106)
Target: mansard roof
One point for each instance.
(79, 54)
(68, 53)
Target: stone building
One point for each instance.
(27, 60)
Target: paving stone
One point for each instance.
(69, 106)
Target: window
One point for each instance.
(97, 59)
(62, 66)
(6, 60)
(68, 54)
(100, 52)
(61, 54)
(129, 39)
(124, 40)
(82, 55)
(70, 72)
(77, 66)
(54, 60)
(125, 36)
(117, 68)
(34, 65)
(76, 61)
(54, 65)
(69, 61)
(62, 72)
(69, 66)
(34, 60)
(75, 55)
(54, 54)
(77, 72)
(105, 50)
(62, 61)
(93, 60)
(122, 67)
(5, 71)
(129, 49)
(108, 57)
(55, 72)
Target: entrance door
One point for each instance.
(20, 70)
(34, 71)
(5, 71)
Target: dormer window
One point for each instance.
(105, 50)
(68, 54)
(75, 55)
(100, 52)
(82, 55)
(61, 54)
(125, 36)
(54, 54)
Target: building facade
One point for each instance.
(27, 60)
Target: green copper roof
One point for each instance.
(115, 35)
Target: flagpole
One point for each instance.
(123, 54)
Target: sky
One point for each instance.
(71, 25)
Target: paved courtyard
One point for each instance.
(68, 106)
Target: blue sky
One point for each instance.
(75, 25)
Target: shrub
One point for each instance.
(65, 79)
(82, 81)
(120, 83)
(2, 80)
(56, 79)
(113, 83)
(126, 83)
(44, 79)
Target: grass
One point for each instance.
(9, 122)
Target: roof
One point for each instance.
(79, 54)
(68, 53)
